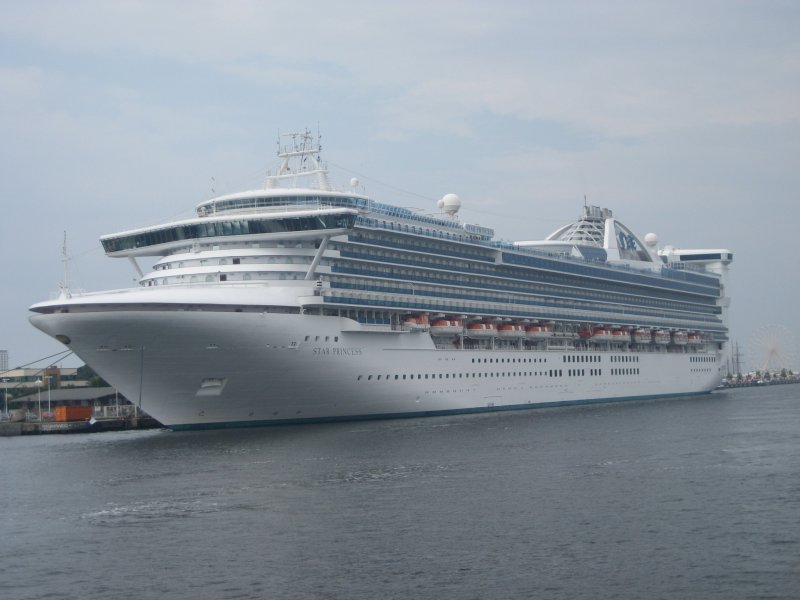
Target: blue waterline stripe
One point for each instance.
(417, 414)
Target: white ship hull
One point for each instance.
(294, 304)
(199, 369)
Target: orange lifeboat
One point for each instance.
(602, 335)
(446, 327)
(511, 331)
(416, 323)
(694, 338)
(642, 336)
(681, 338)
(621, 335)
(479, 331)
(538, 332)
(661, 337)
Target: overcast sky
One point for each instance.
(682, 117)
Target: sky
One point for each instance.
(682, 117)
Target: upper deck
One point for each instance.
(298, 202)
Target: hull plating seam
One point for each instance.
(418, 414)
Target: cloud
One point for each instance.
(20, 83)
(618, 69)
(117, 114)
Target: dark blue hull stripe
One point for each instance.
(417, 414)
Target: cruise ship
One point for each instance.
(299, 302)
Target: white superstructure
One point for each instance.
(298, 302)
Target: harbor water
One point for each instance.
(686, 498)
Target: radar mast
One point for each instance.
(300, 159)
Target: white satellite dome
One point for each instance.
(651, 240)
(354, 182)
(450, 204)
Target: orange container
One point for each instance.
(74, 413)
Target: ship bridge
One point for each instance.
(157, 241)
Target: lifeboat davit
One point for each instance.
(681, 338)
(481, 331)
(446, 327)
(661, 337)
(538, 332)
(511, 331)
(642, 336)
(416, 323)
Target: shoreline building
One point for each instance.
(55, 377)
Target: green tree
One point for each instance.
(87, 373)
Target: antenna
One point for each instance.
(65, 259)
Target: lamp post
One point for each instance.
(5, 389)
(39, 387)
